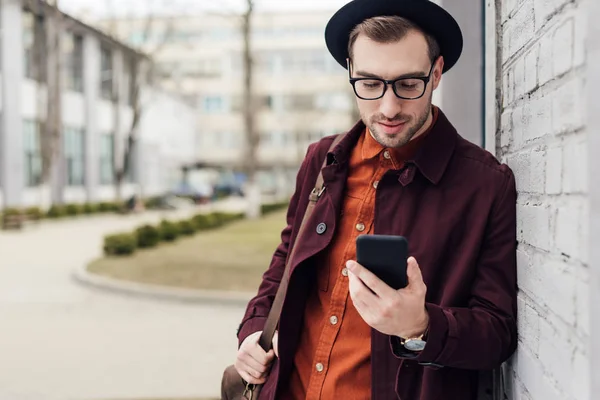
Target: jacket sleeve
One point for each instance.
(483, 335)
(258, 308)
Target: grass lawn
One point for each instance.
(230, 258)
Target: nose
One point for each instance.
(390, 105)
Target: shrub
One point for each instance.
(152, 203)
(186, 227)
(147, 236)
(119, 244)
(204, 221)
(90, 208)
(225, 218)
(34, 213)
(73, 209)
(56, 211)
(106, 206)
(169, 231)
(11, 212)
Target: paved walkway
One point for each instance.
(60, 340)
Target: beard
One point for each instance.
(411, 127)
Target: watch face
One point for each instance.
(415, 345)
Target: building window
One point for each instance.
(73, 45)
(107, 165)
(74, 156)
(301, 102)
(106, 73)
(213, 104)
(33, 55)
(33, 153)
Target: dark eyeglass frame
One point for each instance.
(386, 83)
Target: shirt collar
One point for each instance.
(372, 148)
(432, 157)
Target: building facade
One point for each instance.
(94, 67)
(302, 93)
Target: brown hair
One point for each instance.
(391, 29)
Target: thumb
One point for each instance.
(276, 344)
(413, 272)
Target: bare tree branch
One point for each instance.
(142, 72)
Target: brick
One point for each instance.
(557, 290)
(580, 36)
(562, 41)
(519, 124)
(528, 277)
(534, 225)
(529, 169)
(545, 61)
(508, 89)
(585, 233)
(545, 9)
(568, 108)
(554, 169)
(521, 28)
(582, 306)
(506, 129)
(530, 372)
(580, 386)
(556, 355)
(528, 326)
(508, 7)
(569, 225)
(531, 68)
(575, 167)
(538, 119)
(519, 73)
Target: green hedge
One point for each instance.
(120, 244)
(169, 231)
(187, 227)
(147, 236)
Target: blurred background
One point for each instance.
(149, 148)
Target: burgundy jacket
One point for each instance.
(456, 204)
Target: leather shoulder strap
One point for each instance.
(266, 338)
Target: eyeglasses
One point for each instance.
(411, 88)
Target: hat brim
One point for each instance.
(430, 17)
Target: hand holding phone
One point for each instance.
(385, 256)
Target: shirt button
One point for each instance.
(321, 228)
(360, 227)
(386, 155)
(319, 367)
(345, 272)
(375, 184)
(333, 319)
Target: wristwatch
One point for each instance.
(415, 344)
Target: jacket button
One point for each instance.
(321, 228)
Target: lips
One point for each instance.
(391, 129)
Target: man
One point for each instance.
(403, 170)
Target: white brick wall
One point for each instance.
(543, 138)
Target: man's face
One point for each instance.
(393, 121)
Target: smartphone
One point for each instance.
(386, 256)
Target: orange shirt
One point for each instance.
(333, 359)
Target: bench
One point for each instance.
(13, 221)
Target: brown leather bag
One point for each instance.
(233, 387)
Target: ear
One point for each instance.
(436, 75)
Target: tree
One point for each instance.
(142, 73)
(250, 161)
(47, 67)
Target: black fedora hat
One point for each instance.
(430, 17)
